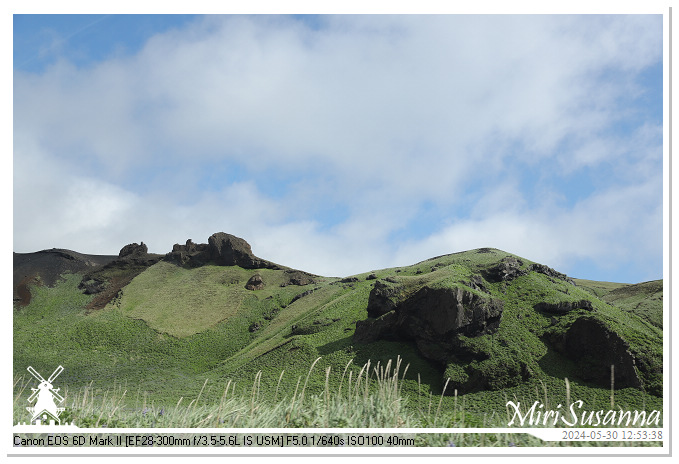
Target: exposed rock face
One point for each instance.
(382, 299)
(132, 259)
(255, 283)
(300, 278)
(431, 317)
(228, 250)
(92, 285)
(222, 249)
(508, 269)
(595, 347)
(133, 249)
(477, 283)
(564, 307)
(107, 281)
(549, 272)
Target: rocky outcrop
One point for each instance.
(595, 348)
(132, 260)
(508, 269)
(383, 298)
(300, 278)
(549, 272)
(564, 307)
(433, 318)
(191, 254)
(222, 249)
(229, 250)
(133, 249)
(106, 282)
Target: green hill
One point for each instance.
(483, 324)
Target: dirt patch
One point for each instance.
(109, 293)
(22, 292)
(46, 268)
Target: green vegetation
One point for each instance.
(374, 398)
(176, 333)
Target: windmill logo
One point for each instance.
(45, 408)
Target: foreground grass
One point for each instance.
(371, 399)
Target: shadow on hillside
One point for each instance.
(418, 369)
(556, 365)
(337, 345)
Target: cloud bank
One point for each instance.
(340, 144)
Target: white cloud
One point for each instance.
(373, 116)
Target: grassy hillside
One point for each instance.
(175, 332)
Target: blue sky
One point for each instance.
(342, 144)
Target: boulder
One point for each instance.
(255, 283)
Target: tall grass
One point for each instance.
(373, 398)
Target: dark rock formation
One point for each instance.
(564, 307)
(133, 249)
(433, 318)
(255, 283)
(508, 269)
(228, 250)
(299, 278)
(222, 249)
(477, 283)
(382, 299)
(132, 260)
(107, 281)
(595, 347)
(191, 254)
(92, 285)
(369, 331)
(254, 327)
(549, 272)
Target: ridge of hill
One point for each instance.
(472, 322)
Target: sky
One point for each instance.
(340, 144)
